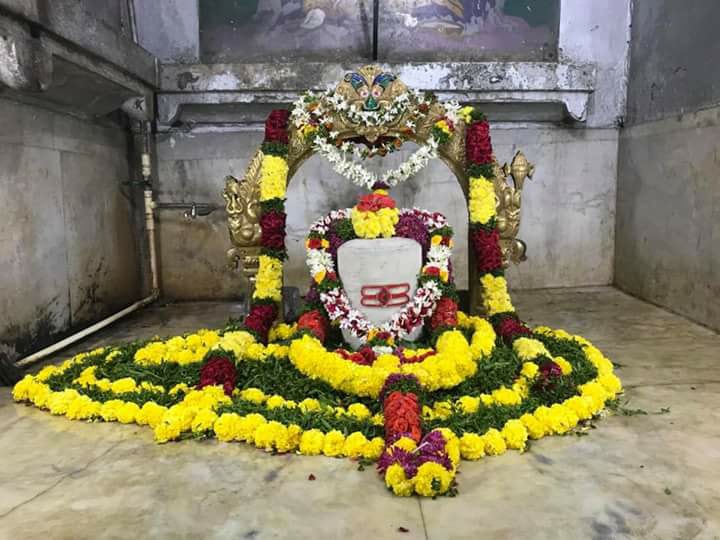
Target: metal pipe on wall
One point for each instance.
(149, 209)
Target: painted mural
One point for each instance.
(409, 30)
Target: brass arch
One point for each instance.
(242, 196)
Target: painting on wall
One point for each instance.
(408, 30)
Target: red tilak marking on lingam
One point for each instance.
(394, 294)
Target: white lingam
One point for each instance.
(380, 278)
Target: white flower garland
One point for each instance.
(341, 157)
(403, 322)
(360, 176)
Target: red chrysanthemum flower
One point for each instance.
(488, 254)
(510, 328)
(276, 126)
(260, 319)
(314, 322)
(478, 146)
(445, 313)
(221, 371)
(272, 227)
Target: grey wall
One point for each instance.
(568, 208)
(66, 236)
(668, 206)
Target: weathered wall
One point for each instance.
(66, 237)
(668, 206)
(568, 208)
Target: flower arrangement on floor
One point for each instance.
(469, 387)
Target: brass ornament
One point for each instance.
(509, 201)
(242, 197)
(242, 204)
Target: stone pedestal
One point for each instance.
(380, 277)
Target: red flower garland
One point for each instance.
(218, 370)
(510, 328)
(402, 416)
(272, 227)
(374, 202)
(315, 323)
(478, 146)
(276, 126)
(488, 254)
(260, 319)
(445, 313)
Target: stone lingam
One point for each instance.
(380, 278)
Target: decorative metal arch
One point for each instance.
(242, 196)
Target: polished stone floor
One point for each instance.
(654, 475)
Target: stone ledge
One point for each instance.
(185, 86)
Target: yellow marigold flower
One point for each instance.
(387, 361)
(285, 441)
(319, 276)
(436, 239)
(472, 446)
(597, 393)
(266, 434)
(468, 404)
(40, 394)
(167, 431)
(354, 445)
(128, 412)
(529, 370)
(312, 442)
(505, 396)
(375, 224)
(482, 202)
(442, 409)
(611, 383)
(294, 432)
(255, 395)
(452, 444)
(466, 114)
(123, 386)
(23, 389)
(82, 408)
(534, 427)
(110, 408)
(248, 425)
(432, 479)
(581, 406)
(396, 480)
(226, 427)
(405, 443)
(565, 366)
(275, 402)
(150, 414)
(486, 399)
(496, 298)
(529, 348)
(358, 411)
(374, 449)
(45, 373)
(273, 177)
(333, 444)
(515, 434)
(282, 332)
(494, 442)
(377, 419)
(181, 387)
(268, 283)
(204, 421)
(309, 405)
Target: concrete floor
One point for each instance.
(638, 476)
